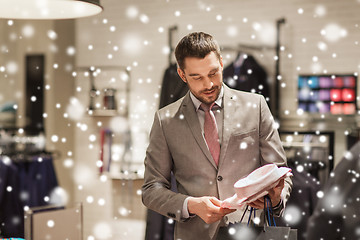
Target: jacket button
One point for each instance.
(219, 178)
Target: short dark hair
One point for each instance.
(196, 44)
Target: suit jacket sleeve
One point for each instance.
(271, 149)
(156, 193)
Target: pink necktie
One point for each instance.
(211, 133)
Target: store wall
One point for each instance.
(52, 39)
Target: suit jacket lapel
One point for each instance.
(193, 122)
(229, 106)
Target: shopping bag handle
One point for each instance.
(242, 217)
(251, 210)
(268, 213)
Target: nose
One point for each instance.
(208, 84)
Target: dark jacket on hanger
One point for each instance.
(11, 210)
(173, 87)
(247, 76)
(158, 227)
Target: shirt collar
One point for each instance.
(197, 102)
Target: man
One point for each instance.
(182, 142)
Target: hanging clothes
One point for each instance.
(37, 179)
(23, 182)
(11, 212)
(246, 74)
(158, 227)
(173, 87)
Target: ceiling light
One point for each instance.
(48, 9)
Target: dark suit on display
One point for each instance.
(158, 227)
(248, 76)
(249, 140)
(173, 87)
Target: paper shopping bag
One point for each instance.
(277, 233)
(250, 231)
(244, 232)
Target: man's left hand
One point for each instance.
(274, 194)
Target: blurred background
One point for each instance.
(78, 96)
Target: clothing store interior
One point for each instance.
(78, 97)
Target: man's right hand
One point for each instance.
(208, 208)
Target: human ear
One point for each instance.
(221, 62)
(181, 74)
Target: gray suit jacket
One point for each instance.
(177, 144)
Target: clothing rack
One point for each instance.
(276, 48)
(312, 142)
(26, 156)
(243, 47)
(23, 146)
(279, 22)
(171, 31)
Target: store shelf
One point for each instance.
(126, 175)
(304, 144)
(103, 113)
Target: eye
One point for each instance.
(212, 74)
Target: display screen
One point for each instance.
(335, 94)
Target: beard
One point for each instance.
(204, 96)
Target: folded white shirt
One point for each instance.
(254, 186)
